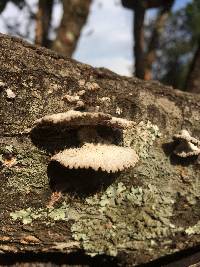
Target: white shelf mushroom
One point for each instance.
(95, 151)
(108, 158)
(188, 146)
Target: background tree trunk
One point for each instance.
(146, 213)
(75, 13)
(43, 22)
(150, 55)
(139, 13)
(144, 58)
(193, 79)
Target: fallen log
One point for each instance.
(135, 216)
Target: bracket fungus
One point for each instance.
(188, 146)
(109, 158)
(97, 141)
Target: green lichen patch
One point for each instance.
(47, 215)
(141, 137)
(195, 229)
(29, 171)
(119, 218)
(7, 149)
(125, 218)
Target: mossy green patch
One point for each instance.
(30, 170)
(47, 215)
(141, 137)
(195, 229)
(119, 218)
(125, 217)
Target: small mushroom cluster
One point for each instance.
(95, 151)
(188, 146)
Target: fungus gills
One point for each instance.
(188, 146)
(96, 149)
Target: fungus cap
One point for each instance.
(73, 119)
(185, 135)
(109, 158)
(188, 146)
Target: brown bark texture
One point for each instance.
(193, 79)
(43, 22)
(140, 215)
(75, 13)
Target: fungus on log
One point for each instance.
(148, 212)
(98, 150)
(109, 158)
(188, 146)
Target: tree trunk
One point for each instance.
(43, 22)
(75, 13)
(139, 13)
(144, 60)
(147, 212)
(193, 79)
(150, 55)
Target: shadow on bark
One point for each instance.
(54, 139)
(56, 259)
(78, 182)
(168, 149)
(184, 258)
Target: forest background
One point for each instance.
(151, 39)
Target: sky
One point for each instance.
(106, 39)
(111, 43)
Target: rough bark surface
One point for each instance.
(145, 213)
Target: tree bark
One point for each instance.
(43, 22)
(193, 79)
(150, 55)
(75, 13)
(147, 212)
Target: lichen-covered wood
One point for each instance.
(139, 215)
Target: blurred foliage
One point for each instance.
(193, 19)
(178, 42)
(177, 45)
(19, 3)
